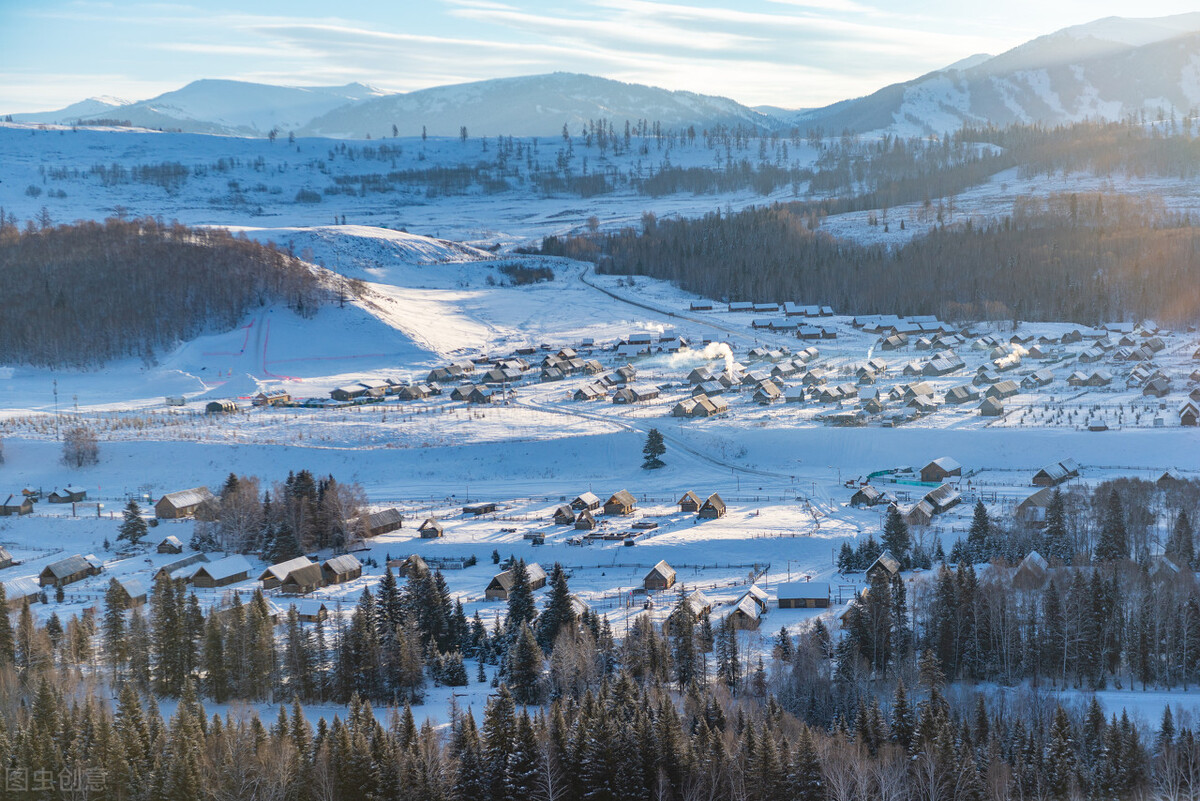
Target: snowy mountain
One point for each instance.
(217, 106)
(536, 105)
(1109, 69)
(90, 109)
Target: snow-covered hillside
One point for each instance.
(1108, 69)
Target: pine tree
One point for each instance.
(523, 762)
(499, 731)
(525, 663)
(896, 537)
(7, 639)
(1113, 542)
(521, 608)
(653, 449)
(1056, 538)
(558, 612)
(902, 724)
(1180, 548)
(1060, 757)
(979, 534)
(113, 627)
(133, 528)
(806, 780)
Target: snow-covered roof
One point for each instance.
(188, 497)
(281, 570)
(224, 568)
(803, 590)
(346, 563)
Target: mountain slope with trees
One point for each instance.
(83, 294)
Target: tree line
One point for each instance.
(1086, 258)
(87, 293)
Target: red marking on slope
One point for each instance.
(245, 341)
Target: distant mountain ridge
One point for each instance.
(1108, 69)
(535, 105)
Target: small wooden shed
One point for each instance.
(564, 515)
(384, 521)
(712, 508)
(274, 575)
(660, 577)
(70, 570)
(340, 569)
(588, 501)
(621, 503)
(498, 588)
(431, 529)
(184, 503)
(940, 469)
(222, 572)
(885, 564)
(689, 502)
(170, 544)
(302, 580)
(68, 494)
(17, 505)
(803, 595)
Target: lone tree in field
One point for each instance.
(654, 448)
(80, 446)
(133, 527)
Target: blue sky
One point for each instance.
(791, 53)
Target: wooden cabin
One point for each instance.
(68, 494)
(303, 580)
(20, 590)
(661, 577)
(885, 564)
(586, 521)
(384, 521)
(501, 583)
(803, 595)
(689, 502)
(587, 501)
(919, 514)
(340, 569)
(184, 503)
(867, 495)
(70, 570)
(713, 508)
(431, 529)
(6, 558)
(564, 515)
(170, 544)
(222, 572)
(274, 575)
(621, 503)
(746, 615)
(133, 591)
(1054, 474)
(412, 566)
(941, 469)
(179, 568)
(17, 505)
(1031, 574)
